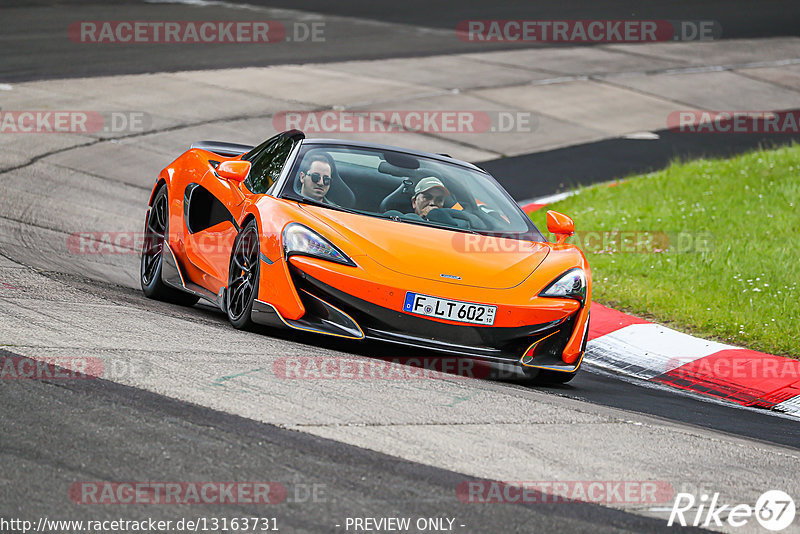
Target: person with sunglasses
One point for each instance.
(315, 181)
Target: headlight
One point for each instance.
(571, 284)
(299, 239)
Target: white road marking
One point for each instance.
(791, 406)
(648, 350)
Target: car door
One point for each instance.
(213, 207)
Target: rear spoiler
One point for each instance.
(222, 148)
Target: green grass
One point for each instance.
(743, 287)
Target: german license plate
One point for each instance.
(453, 310)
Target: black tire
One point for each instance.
(243, 274)
(156, 229)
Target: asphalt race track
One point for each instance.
(326, 481)
(560, 169)
(186, 398)
(34, 48)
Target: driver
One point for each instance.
(315, 181)
(428, 204)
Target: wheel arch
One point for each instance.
(159, 182)
(275, 283)
(250, 216)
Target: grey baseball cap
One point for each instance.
(428, 183)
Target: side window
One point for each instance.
(268, 164)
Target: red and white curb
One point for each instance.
(529, 206)
(634, 347)
(638, 348)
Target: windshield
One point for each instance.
(406, 188)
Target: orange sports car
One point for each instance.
(361, 240)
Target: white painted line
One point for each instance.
(642, 136)
(555, 198)
(648, 350)
(791, 406)
(199, 3)
(5, 87)
(549, 199)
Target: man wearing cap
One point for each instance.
(428, 205)
(429, 194)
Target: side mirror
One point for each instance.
(560, 225)
(234, 170)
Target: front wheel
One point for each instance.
(243, 277)
(156, 231)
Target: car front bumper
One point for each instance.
(556, 343)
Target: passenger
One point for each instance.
(315, 181)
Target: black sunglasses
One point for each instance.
(316, 177)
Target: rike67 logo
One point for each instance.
(774, 510)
